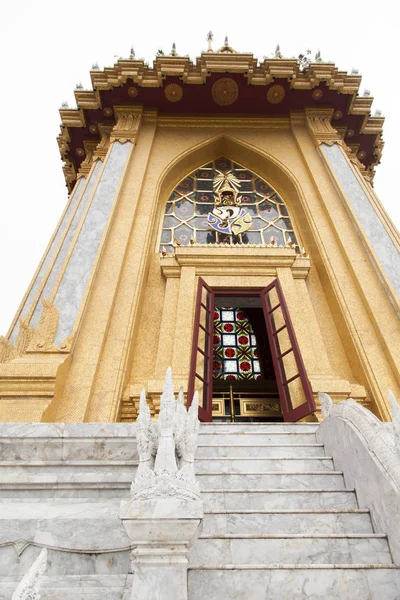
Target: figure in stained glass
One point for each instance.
(224, 203)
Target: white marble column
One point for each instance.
(161, 531)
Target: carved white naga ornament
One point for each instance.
(28, 587)
(167, 448)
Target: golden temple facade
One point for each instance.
(219, 177)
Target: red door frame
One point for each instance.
(308, 407)
(205, 410)
(289, 413)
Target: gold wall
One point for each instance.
(137, 315)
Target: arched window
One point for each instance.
(187, 214)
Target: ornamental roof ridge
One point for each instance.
(139, 81)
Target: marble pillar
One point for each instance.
(162, 531)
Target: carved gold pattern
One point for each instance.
(132, 91)
(275, 94)
(103, 145)
(197, 73)
(337, 115)
(93, 129)
(7, 350)
(259, 409)
(218, 407)
(44, 334)
(319, 124)
(128, 123)
(80, 152)
(86, 165)
(317, 94)
(24, 337)
(173, 92)
(225, 91)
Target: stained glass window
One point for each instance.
(185, 221)
(235, 346)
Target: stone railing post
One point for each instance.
(163, 517)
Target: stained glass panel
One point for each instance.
(235, 353)
(194, 197)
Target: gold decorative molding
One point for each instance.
(275, 94)
(239, 261)
(103, 145)
(44, 334)
(128, 123)
(173, 92)
(267, 122)
(7, 350)
(24, 337)
(319, 124)
(90, 147)
(225, 91)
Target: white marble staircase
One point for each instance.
(279, 522)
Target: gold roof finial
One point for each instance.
(226, 47)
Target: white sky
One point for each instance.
(46, 47)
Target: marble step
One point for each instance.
(68, 441)
(214, 550)
(256, 437)
(296, 582)
(61, 489)
(221, 427)
(67, 472)
(266, 499)
(76, 587)
(216, 450)
(285, 521)
(256, 464)
(252, 481)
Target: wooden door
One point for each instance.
(201, 366)
(293, 385)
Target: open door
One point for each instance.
(293, 385)
(201, 366)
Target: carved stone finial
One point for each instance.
(318, 56)
(132, 53)
(378, 113)
(172, 442)
(326, 404)
(354, 71)
(64, 105)
(210, 38)
(173, 50)
(95, 67)
(367, 92)
(28, 587)
(79, 86)
(278, 53)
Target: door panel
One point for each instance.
(293, 385)
(202, 351)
